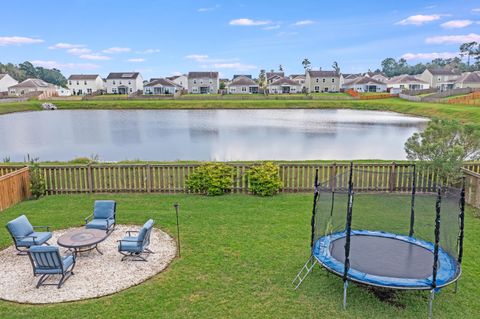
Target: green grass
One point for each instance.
(239, 255)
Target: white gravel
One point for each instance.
(95, 275)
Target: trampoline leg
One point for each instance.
(456, 286)
(430, 303)
(345, 286)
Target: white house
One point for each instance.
(181, 80)
(203, 82)
(406, 82)
(6, 81)
(242, 84)
(284, 86)
(365, 84)
(300, 79)
(161, 86)
(274, 76)
(81, 84)
(61, 91)
(468, 80)
(124, 82)
(33, 85)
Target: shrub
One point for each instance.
(265, 179)
(211, 179)
(37, 182)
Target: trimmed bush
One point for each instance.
(265, 179)
(37, 182)
(211, 179)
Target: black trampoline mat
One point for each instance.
(386, 257)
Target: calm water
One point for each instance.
(206, 134)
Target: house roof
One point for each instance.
(372, 74)
(363, 80)
(198, 75)
(122, 75)
(83, 77)
(320, 73)
(273, 74)
(293, 76)
(405, 78)
(238, 75)
(162, 82)
(284, 81)
(243, 80)
(2, 75)
(351, 75)
(443, 71)
(470, 77)
(32, 83)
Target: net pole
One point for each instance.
(461, 217)
(412, 205)
(438, 205)
(348, 231)
(314, 211)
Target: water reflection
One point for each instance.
(207, 134)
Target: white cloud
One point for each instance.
(429, 56)
(453, 39)
(303, 23)
(136, 60)
(177, 73)
(97, 57)
(116, 50)
(476, 10)
(209, 8)
(272, 27)
(79, 51)
(57, 65)
(4, 41)
(455, 24)
(249, 22)
(197, 57)
(149, 51)
(62, 45)
(419, 19)
(233, 66)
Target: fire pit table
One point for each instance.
(82, 240)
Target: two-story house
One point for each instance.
(322, 81)
(203, 82)
(82, 84)
(124, 83)
(181, 80)
(6, 81)
(242, 84)
(440, 78)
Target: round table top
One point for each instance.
(81, 238)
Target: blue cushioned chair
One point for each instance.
(24, 234)
(47, 261)
(103, 216)
(135, 246)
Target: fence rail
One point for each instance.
(472, 193)
(14, 187)
(171, 178)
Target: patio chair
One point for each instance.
(47, 261)
(103, 216)
(135, 246)
(24, 235)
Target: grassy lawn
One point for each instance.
(239, 255)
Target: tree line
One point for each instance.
(27, 70)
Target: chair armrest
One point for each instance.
(87, 218)
(129, 232)
(129, 240)
(23, 237)
(44, 227)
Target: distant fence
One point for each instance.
(171, 178)
(419, 92)
(410, 97)
(14, 187)
(472, 194)
(377, 96)
(472, 99)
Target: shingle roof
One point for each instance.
(363, 80)
(471, 77)
(162, 82)
(293, 76)
(405, 78)
(122, 75)
(444, 71)
(198, 75)
(323, 74)
(75, 77)
(272, 74)
(242, 80)
(351, 75)
(284, 81)
(32, 83)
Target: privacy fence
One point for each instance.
(14, 186)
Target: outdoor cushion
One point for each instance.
(144, 230)
(103, 224)
(41, 238)
(104, 209)
(20, 226)
(130, 244)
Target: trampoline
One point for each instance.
(385, 232)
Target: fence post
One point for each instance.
(333, 173)
(90, 178)
(149, 178)
(393, 177)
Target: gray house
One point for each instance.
(242, 84)
(203, 82)
(161, 86)
(322, 81)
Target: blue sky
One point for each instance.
(161, 38)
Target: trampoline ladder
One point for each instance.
(304, 272)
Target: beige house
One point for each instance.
(181, 80)
(322, 81)
(300, 79)
(365, 84)
(82, 84)
(33, 85)
(406, 82)
(203, 82)
(6, 81)
(468, 80)
(284, 86)
(124, 83)
(274, 76)
(242, 84)
(441, 79)
(161, 86)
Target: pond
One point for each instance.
(222, 135)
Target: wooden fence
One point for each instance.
(171, 178)
(472, 98)
(472, 193)
(14, 187)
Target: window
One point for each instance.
(201, 81)
(129, 82)
(317, 80)
(211, 82)
(244, 89)
(113, 82)
(333, 80)
(194, 81)
(317, 88)
(323, 80)
(78, 83)
(120, 82)
(89, 91)
(131, 90)
(70, 82)
(85, 82)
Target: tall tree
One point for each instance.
(468, 49)
(280, 68)
(335, 67)
(306, 64)
(262, 81)
(389, 67)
